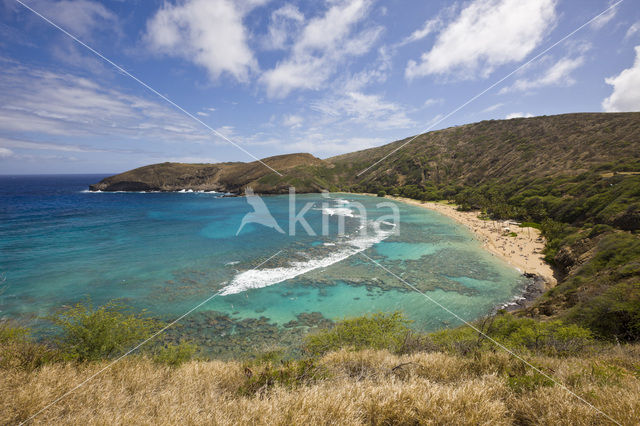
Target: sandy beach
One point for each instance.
(523, 251)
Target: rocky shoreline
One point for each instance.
(535, 287)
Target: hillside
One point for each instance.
(504, 149)
(220, 177)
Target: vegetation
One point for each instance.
(175, 355)
(452, 376)
(376, 331)
(88, 334)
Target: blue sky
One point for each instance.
(325, 77)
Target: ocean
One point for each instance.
(168, 252)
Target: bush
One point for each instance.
(88, 334)
(18, 350)
(615, 314)
(382, 193)
(175, 355)
(376, 331)
(522, 334)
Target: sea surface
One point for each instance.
(168, 252)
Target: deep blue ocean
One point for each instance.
(167, 252)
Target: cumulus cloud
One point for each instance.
(626, 89)
(322, 44)
(285, 22)
(485, 35)
(558, 74)
(209, 33)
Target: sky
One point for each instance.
(254, 78)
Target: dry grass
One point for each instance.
(366, 387)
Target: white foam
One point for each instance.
(338, 211)
(259, 278)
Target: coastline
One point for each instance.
(523, 251)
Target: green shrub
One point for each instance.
(376, 331)
(175, 355)
(614, 314)
(11, 332)
(19, 351)
(521, 334)
(87, 333)
(382, 193)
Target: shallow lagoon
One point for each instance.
(166, 252)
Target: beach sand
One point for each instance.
(524, 251)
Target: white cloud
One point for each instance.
(80, 17)
(559, 74)
(604, 19)
(429, 27)
(202, 114)
(493, 107)
(633, 29)
(285, 22)
(433, 101)
(6, 153)
(518, 115)
(626, 89)
(292, 121)
(323, 43)
(377, 73)
(485, 35)
(34, 101)
(322, 145)
(361, 108)
(50, 146)
(209, 33)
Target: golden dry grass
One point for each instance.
(366, 387)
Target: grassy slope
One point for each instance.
(365, 387)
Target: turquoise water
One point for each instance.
(166, 252)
